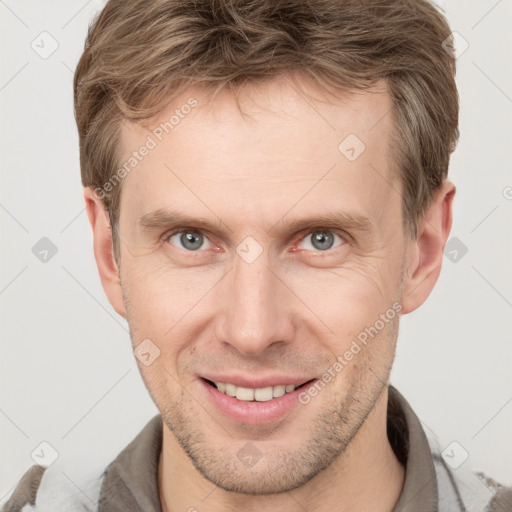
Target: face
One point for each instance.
(255, 252)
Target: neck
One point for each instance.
(366, 476)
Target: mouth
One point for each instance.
(262, 394)
(255, 400)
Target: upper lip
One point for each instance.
(246, 381)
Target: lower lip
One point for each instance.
(254, 413)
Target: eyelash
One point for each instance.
(342, 235)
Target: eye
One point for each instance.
(189, 240)
(322, 240)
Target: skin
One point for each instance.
(291, 311)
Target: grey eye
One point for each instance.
(189, 240)
(322, 240)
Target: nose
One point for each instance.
(256, 308)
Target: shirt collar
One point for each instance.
(131, 480)
(409, 442)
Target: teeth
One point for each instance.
(250, 394)
(230, 389)
(245, 394)
(263, 394)
(278, 391)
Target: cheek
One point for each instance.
(352, 297)
(159, 298)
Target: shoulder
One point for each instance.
(52, 490)
(502, 494)
(461, 488)
(440, 480)
(77, 480)
(26, 490)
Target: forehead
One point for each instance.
(272, 144)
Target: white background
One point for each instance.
(68, 376)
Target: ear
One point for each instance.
(103, 250)
(425, 253)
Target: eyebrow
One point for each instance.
(168, 219)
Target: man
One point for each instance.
(267, 188)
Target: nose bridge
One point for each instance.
(254, 319)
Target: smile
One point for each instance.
(254, 405)
(254, 394)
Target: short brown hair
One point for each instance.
(139, 54)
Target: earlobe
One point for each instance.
(103, 250)
(425, 254)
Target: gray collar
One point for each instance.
(411, 445)
(131, 480)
